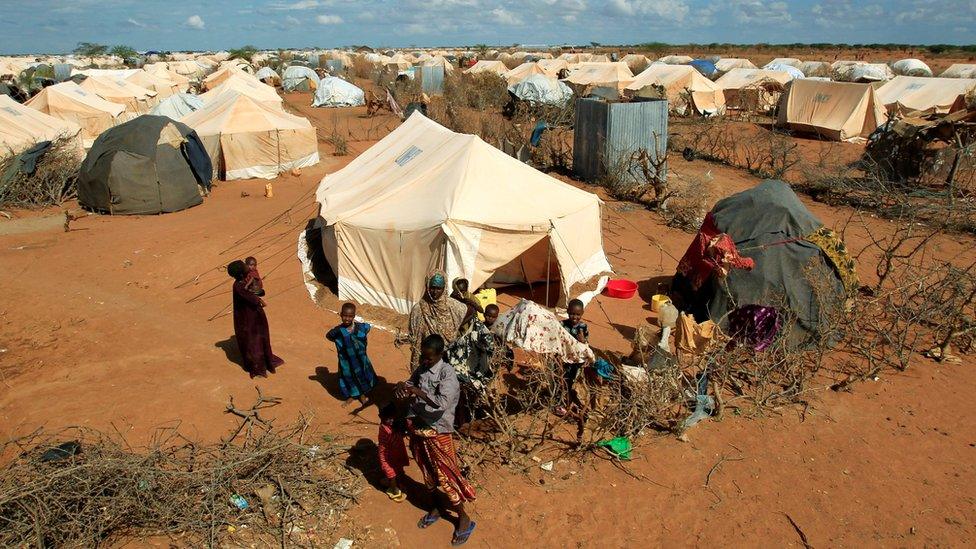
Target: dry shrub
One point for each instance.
(482, 91)
(109, 491)
(361, 68)
(765, 153)
(53, 182)
(339, 144)
(690, 201)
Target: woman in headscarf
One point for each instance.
(436, 313)
(251, 326)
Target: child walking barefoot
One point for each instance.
(356, 375)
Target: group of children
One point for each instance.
(357, 377)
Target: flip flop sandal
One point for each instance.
(460, 538)
(427, 520)
(397, 496)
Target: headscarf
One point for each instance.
(440, 316)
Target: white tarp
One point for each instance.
(177, 106)
(782, 67)
(542, 89)
(293, 77)
(911, 67)
(266, 74)
(336, 92)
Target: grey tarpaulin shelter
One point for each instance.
(768, 224)
(149, 165)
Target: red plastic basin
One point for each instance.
(621, 288)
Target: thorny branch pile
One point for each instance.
(97, 489)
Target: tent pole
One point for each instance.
(548, 266)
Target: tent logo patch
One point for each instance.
(821, 98)
(408, 155)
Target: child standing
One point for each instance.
(252, 280)
(356, 375)
(581, 332)
(392, 449)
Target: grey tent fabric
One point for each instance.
(148, 165)
(768, 224)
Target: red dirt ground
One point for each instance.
(125, 321)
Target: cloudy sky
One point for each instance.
(57, 25)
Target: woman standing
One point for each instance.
(251, 326)
(436, 313)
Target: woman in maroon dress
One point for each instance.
(251, 326)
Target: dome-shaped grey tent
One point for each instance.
(149, 165)
(798, 267)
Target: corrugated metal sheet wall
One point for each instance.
(432, 79)
(607, 134)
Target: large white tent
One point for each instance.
(840, 111)
(425, 197)
(681, 83)
(906, 94)
(22, 127)
(541, 89)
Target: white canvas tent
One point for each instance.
(840, 111)
(268, 76)
(136, 99)
(752, 90)
(247, 138)
(522, 72)
(244, 84)
(960, 70)
(68, 101)
(425, 197)
(496, 67)
(726, 64)
(678, 81)
(907, 94)
(22, 127)
(607, 80)
(788, 61)
(336, 92)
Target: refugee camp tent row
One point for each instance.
(425, 197)
(753, 90)
(249, 138)
(162, 86)
(919, 95)
(149, 165)
(22, 127)
(841, 111)
(68, 101)
(336, 92)
(685, 88)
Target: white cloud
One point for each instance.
(673, 10)
(300, 5)
(291, 20)
(195, 22)
(761, 11)
(328, 19)
(506, 17)
(135, 23)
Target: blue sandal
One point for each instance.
(460, 538)
(427, 520)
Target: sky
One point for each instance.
(53, 26)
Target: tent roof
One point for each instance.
(523, 71)
(154, 82)
(484, 65)
(728, 63)
(960, 70)
(671, 77)
(177, 106)
(601, 74)
(422, 174)
(740, 78)
(22, 126)
(234, 112)
(243, 84)
(116, 88)
(71, 96)
(915, 93)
